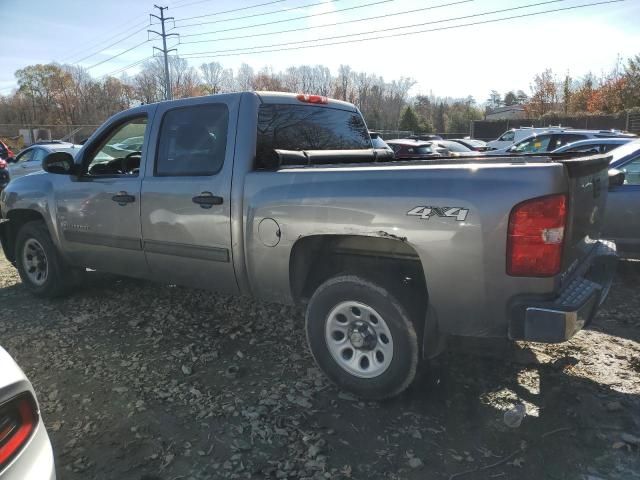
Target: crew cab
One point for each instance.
(283, 198)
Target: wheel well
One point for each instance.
(389, 261)
(17, 218)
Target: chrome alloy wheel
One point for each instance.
(358, 339)
(35, 263)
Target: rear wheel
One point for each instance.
(361, 337)
(42, 270)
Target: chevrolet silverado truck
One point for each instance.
(283, 198)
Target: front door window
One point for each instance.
(120, 152)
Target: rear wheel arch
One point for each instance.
(390, 262)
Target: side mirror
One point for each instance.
(616, 177)
(58, 162)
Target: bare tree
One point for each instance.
(244, 78)
(216, 78)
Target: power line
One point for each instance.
(228, 11)
(333, 24)
(239, 10)
(127, 67)
(117, 54)
(113, 44)
(381, 30)
(575, 7)
(244, 17)
(280, 21)
(94, 45)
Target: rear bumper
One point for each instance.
(553, 321)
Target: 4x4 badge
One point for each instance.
(460, 214)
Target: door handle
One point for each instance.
(122, 198)
(207, 200)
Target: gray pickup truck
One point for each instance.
(282, 197)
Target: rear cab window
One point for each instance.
(192, 141)
(307, 127)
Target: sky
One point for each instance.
(454, 62)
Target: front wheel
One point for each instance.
(361, 337)
(39, 264)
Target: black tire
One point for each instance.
(401, 370)
(59, 278)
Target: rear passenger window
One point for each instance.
(193, 141)
(561, 140)
(306, 127)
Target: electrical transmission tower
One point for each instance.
(164, 35)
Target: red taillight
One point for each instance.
(18, 420)
(536, 237)
(313, 99)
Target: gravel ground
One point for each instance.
(144, 381)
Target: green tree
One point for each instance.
(521, 97)
(425, 126)
(631, 77)
(440, 118)
(409, 120)
(510, 98)
(494, 100)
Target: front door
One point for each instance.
(98, 212)
(622, 217)
(186, 226)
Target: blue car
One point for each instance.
(622, 216)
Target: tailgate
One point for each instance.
(588, 187)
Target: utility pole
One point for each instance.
(164, 35)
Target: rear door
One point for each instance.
(185, 215)
(622, 219)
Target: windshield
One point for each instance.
(534, 144)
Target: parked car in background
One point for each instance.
(4, 174)
(514, 135)
(451, 148)
(5, 151)
(551, 140)
(25, 449)
(622, 217)
(126, 146)
(593, 145)
(378, 142)
(410, 149)
(30, 159)
(425, 136)
(471, 143)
